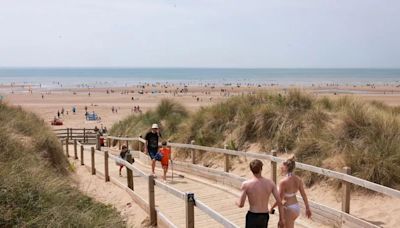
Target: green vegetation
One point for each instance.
(168, 114)
(319, 131)
(35, 189)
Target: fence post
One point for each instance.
(106, 174)
(75, 149)
(70, 134)
(67, 133)
(93, 166)
(127, 142)
(346, 192)
(152, 203)
(142, 145)
(226, 165)
(189, 206)
(67, 147)
(129, 175)
(82, 162)
(193, 153)
(119, 144)
(97, 141)
(84, 135)
(273, 167)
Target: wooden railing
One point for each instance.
(149, 205)
(335, 217)
(340, 217)
(82, 134)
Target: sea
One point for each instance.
(53, 78)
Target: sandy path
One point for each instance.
(109, 193)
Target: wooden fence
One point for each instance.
(82, 134)
(156, 216)
(336, 217)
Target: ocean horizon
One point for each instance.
(110, 77)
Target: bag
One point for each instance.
(117, 163)
(158, 156)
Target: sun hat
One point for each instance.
(154, 126)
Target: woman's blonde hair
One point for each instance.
(290, 164)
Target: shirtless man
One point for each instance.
(258, 189)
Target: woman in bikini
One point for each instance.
(288, 188)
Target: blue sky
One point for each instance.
(201, 33)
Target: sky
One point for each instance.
(200, 33)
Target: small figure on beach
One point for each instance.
(151, 146)
(58, 114)
(165, 152)
(288, 187)
(258, 190)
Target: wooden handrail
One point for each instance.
(214, 215)
(179, 194)
(322, 171)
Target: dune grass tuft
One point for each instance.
(35, 189)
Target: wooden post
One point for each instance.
(106, 175)
(152, 202)
(189, 206)
(93, 166)
(273, 167)
(70, 134)
(129, 175)
(97, 141)
(67, 147)
(84, 135)
(226, 165)
(82, 162)
(141, 146)
(67, 133)
(75, 149)
(346, 192)
(193, 153)
(119, 144)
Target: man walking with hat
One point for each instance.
(151, 146)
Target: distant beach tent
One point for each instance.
(92, 117)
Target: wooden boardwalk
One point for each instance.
(215, 191)
(219, 198)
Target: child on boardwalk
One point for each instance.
(166, 152)
(124, 155)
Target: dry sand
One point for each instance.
(383, 211)
(109, 193)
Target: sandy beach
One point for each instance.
(123, 99)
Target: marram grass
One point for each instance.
(325, 132)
